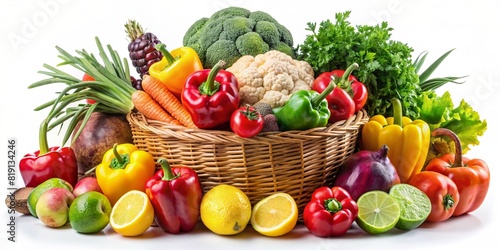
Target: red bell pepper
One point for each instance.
(340, 104)
(175, 194)
(211, 96)
(349, 97)
(442, 192)
(47, 163)
(472, 176)
(330, 212)
(356, 89)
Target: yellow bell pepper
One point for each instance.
(124, 168)
(175, 67)
(408, 140)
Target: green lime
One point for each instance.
(378, 212)
(89, 212)
(415, 205)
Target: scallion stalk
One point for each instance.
(112, 89)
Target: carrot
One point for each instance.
(167, 100)
(145, 104)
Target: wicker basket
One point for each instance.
(295, 162)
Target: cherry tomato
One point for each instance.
(246, 121)
(87, 78)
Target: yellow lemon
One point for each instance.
(275, 215)
(132, 214)
(225, 210)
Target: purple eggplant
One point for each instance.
(366, 170)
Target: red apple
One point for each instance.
(52, 207)
(86, 184)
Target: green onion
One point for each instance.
(112, 89)
(434, 83)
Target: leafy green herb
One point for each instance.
(386, 66)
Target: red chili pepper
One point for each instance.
(47, 163)
(342, 108)
(211, 96)
(175, 193)
(442, 192)
(330, 212)
(472, 177)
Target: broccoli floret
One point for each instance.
(193, 32)
(235, 27)
(251, 44)
(210, 35)
(285, 35)
(269, 33)
(252, 33)
(222, 50)
(230, 12)
(283, 47)
(262, 16)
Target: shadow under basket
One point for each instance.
(295, 162)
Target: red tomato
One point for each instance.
(246, 121)
(442, 192)
(87, 78)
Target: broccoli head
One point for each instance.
(233, 32)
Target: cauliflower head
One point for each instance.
(233, 32)
(271, 77)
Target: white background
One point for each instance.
(30, 30)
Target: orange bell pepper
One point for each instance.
(175, 67)
(472, 176)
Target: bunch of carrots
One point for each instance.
(157, 102)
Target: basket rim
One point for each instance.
(137, 119)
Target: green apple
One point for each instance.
(53, 206)
(89, 212)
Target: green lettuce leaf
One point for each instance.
(463, 120)
(433, 108)
(466, 123)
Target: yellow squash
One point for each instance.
(408, 140)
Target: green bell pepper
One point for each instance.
(304, 110)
